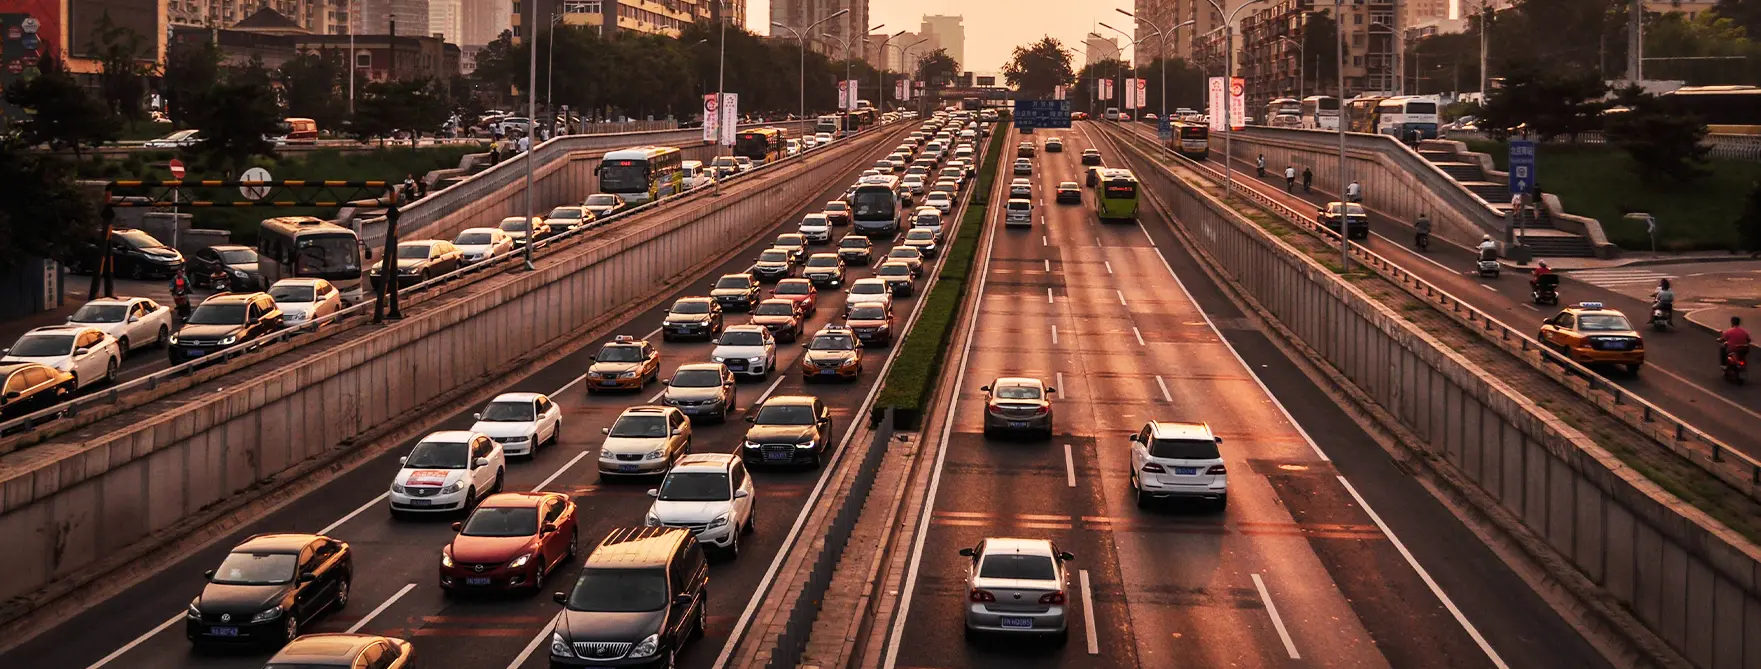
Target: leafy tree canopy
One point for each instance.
(1663, 144)
(43, 212)
(1039, 68)
(58, 110)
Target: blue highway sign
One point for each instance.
(1522, 166)
(1042, 113)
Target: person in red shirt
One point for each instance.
(1736, 339)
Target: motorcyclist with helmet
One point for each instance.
(1733, 342)
(1422, 231)
(1663, 300)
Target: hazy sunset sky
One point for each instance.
(993, 27)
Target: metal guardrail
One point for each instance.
(418, 292)
(1709, 453)
(1733, 147)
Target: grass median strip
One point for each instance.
(907, 387)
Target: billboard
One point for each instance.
(1237, 113)
(29, 29)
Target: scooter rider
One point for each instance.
(1734, 339)
(1486, 244)
(180, 294)
(1422, 228)
(1260, 165)
(1664, 299)
(1541, 269)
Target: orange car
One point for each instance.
(626, 363)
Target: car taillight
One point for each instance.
(1042, 410)
(1153, 467)
(994, 409)
(978, 595)
(1217, 470)
(1052, 598)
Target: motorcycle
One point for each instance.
(1736, 364)
(1422, 241)
(1487, 265)
(1662, 316)
(1546, 289)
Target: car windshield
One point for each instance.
(836, 206)
(509, 412)
(868, 289)
(853, 243)
(602, 200)
(1184, 449)
(138, 239)
(929, 220)
(1018, 393)
(734, 282)
(238, 256)
(785, 414)
(502, 521)
(774, 255)
(938, 196)
(415, 251)
(231, 313)
(696, 378)
(471, 238)
(791, 240)
(813, 221)
(256, 569)
(1603, 323)
(775, 309)
(565, 212)
(921, 234)
(1019, 567)
(293, 292)
(42, 345)
(894, 269)
(101, 313)
(439, 455)
(619, 590)
(795, 288)
(643, 426)
(695, 487)
(868, 312)
(822, 261)
(620, 354)
(742, 338)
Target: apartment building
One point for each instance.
(798, 14)
(316, 16)
(1096, 49)
(377, 17)
(444, 19)
(655, 17)
(1271, 61)
(482, 21)
(949, 33)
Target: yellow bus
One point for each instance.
(642, 174)
(762, 145)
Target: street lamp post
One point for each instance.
(905, 49)
(1162, 38)
(1339, 71)
(1229, 85)
(801, 36)
(845, 43)
(880, 74)
(531, 118)
(721, 66)
(550, 70)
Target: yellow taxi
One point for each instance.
(1592, 334)
(833, 353)
(626, 363)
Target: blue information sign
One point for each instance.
(1042, 114)
(1522, 166)
(1165, 128)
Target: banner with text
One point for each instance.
(1237, 103)
(851, 91)
(1130, 95)
(1106, 89)
(1058, 92)
(711, 117)
(899, 90)
(730, 121)
(1214, 103)
(1143, 93)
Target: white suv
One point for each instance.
(1170, 459)
(1018, 211)
(447, 471)
(709, 494)
(816, 228)
(748, 350)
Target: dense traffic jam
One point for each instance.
(641, 594)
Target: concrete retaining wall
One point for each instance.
(98, 493)
(1692, 582)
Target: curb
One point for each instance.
(1642, 262)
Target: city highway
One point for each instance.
(1329, 555)
(395, 588)
(1680, 374)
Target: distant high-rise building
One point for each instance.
(1096, 49)
(950, 35)
(642, 16)
(316, 16)
(444, 20)
(798, 14)
(482, 21)
(1165, 14)
(377, 16)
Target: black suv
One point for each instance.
(640, 598)
(222, 321)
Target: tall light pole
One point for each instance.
(1300, 65)
(1162, 38)
(845, 43)
(880, 74)
(352, 60)
(531, 117)
(721, 70)
(1229, 86)
(801, 36)
(1339, 71)
(550, 69)
(903, 49)
(1485, 41)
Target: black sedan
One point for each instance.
(692, 317)
(268, 587)
(1353, 216)
(238, 264)
(788, 429)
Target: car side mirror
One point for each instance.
(82, 350)
(1219, 439)
(208, 574)
(741, 494)
(681, 599)
(666, 382)
(594, 358)
(984, 389)
(752, 419)
(477, 416)
(458, 526)
(134, 319)
(1051, 390)
(13, 394)
(308, 577)
(967, 552)
(547, 528)
(1135, 438)
(678, 431)
(481, 462)
(560, 597)
(1066, 556)
(654, 492)
(717, 341)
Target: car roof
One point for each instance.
(231, 247)
(798, 280)
(279, 542)
(10, 367)
(1071, 184)
(746, 327)
(1016, 381)
(792, 400)
(517, 499)
(450, 435)
(638, 547)
(1017, 546)
(485, 230)
(694, 299)
(230, 297)
(1180, 430)
(324, 649)
(700, 366)
(115, 300)
(60, 329)
(516, 397)
(830, 256)
(307, 281)
(704, 462)
(645, 409)
(866, 280)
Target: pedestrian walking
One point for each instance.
(1290, 179)
(1308, 179)
(525, 143)
(1260, 165)
(1354, 192)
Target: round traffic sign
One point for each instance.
(176, 169)
(710, 104)
(254, 192)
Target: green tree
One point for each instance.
(191, 68)
(126, 60)
(43, 212)
(1545, 103)
(1186, 85)
(235, 116)
(313, 83)
(1663, 143)
(1713, 49)
(58, 110)
(1747, 13)
(937, 69)
(1035, 70)
(1088, 81)
(1320, 53)
(389, 106)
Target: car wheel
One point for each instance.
(701, 627)
(574, 538)
(1062, 637)
(122, 345)
(164, 337)
(291, 629)
(1143, 500)
(733, 549)
(342, 594)
(110, 371)
(751, 520)
(538, 574)
(1222, 502)
(470, 500)
(499, 481)
(136, 272)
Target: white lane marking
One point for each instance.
(1710, 393)
(1048, 295)
(1416, 254)
(1277, 622)
(1069, 467)
(351, 515)
(1098, 242)
(1426, 577)
(559, 471)
(1137, 333)
(1048, 265)
(771, 389)
(1060, 386)
(543, 636)
(1489, 288)
(1531, 307)
(381, 608)
(1121, 297)
(1054, 335)
(1088, 614)
(1166, 396)
(1146, 234)
(656, 331)
(138, 641)
(656, 397)
(1044, 241)
(1109, 265)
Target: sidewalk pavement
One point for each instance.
(1637, 259)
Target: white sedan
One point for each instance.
(83, 351)
(942, 201)
(480, 244)
(746, 349)
(520, 422)
(135, 322)
(448, 471)
(869, 291)
(302, 300)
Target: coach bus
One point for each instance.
(762, 145)
(875, 206)
(1400, 117)
(1283, 112)
(1192, 140)
(1320, 112)
(1360, 114)
(1117, 195)
(308, 248)
(642, 174)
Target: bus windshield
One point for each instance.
(874, 203)
(326, 255)
(624, 176)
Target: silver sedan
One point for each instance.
(1016, 404)
(1017, 586)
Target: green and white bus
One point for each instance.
(1117, 195)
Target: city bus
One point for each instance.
(1192, 140)
(642, 174)
(857, 121)
(1360, 114)
(829, 123)
(762, 145)
(875, 207)
(1283, 112)
(307, 248)
(1320, 112)
(1399, 117)
(1117, 195)
(1729, 110)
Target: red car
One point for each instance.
(511, 541)
(800, 291)
(837, 212)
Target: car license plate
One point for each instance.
(626, 468)
(776, 455)
(477, 581)
(691, 409)
(223, 631)
(1017, 622)
(1017, 423)
(1617, 345)
(827, 372)
(608, 383)
(196, 352)
(421, 502)
(1186, 471)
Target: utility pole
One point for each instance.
(1339, 41)
(531, 119)
(1635, 68)
(1485, 31)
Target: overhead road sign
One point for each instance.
(1042, 114)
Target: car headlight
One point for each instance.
(559, 646)
(627, 375)
(268, 615)
(648, 647)
(520, 561)
(755, 360)
(455, 487)
(230, 339)
(515, 440)
(606, 454)
(445, 559)
(194, 612)
(240, 273)
(655, 454)
(173, 339)
(805, 444)
(848, 362)
(650, 519)
(719, 521)
(750, 445)
(717, 358)
(399, 489)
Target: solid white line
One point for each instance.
(1137, 333)
(1054, 335)
(1530, 306)
(1069, 467)
(1426, 577)
(381, 608)
(656, 396)
(1121, 297)
(1166, 397)
(570, 384)
(1416, 254)
(138, 641)
(656, 331)
(370, 503)
(1109, 265)
(1146, 234)
(771, 389)
(543, 636)
(1277, 622)
(559, 471)
(1061, 389)
(1048, 295)
(1088, 614)
(1489, 288)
